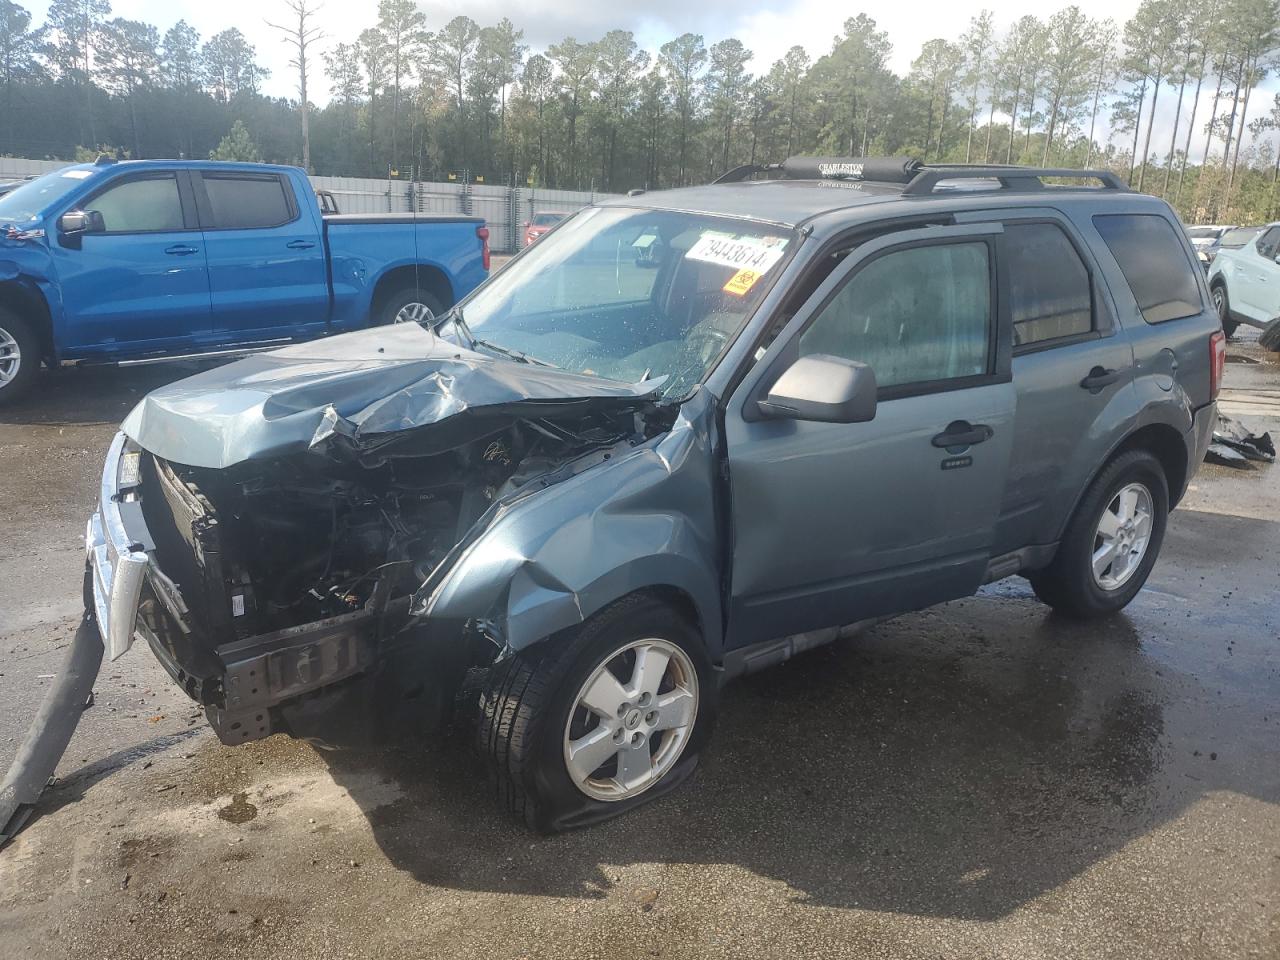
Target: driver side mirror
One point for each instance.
(75, 223)
(823, 388)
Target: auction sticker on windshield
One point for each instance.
(740, 253)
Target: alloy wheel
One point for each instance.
(414, 312)
(631, 720)
(10, 358)
(1122, 536)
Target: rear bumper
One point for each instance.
(1199, 438)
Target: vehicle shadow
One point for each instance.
(957, 762)
(92, 395)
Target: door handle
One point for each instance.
(1098, 378)
(962, 433)
(181, 250)
(300, 244)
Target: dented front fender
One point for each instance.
(643, 520)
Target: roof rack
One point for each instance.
(1010, 177)
(918, 179)
(738, 174)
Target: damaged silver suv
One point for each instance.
(684, 436)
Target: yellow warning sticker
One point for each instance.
(742, 281)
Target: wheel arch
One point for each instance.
(538, 605)
(1168, 446)
(29, 303)
(428, 277)
(1161, 440)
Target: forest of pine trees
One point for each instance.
(431, 100)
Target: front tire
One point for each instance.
(1111, 542)
(1222, 303)
(407, 305)
(603, 720)
(19, 356)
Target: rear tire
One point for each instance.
(1222, 303)
(19, 356)
(531, 715)
(406, 305)
(1072, 584)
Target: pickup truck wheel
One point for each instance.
(19, 356)
(1222, 303)
(1112, 541)
(606, 719)
(407, 305)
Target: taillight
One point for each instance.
(1217, 360)
(483, 234)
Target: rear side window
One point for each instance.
(918, 315)
(247, 202)
(1154, 264)
(1050, 294)
(1269, 244)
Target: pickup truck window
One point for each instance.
(143, 205)
(247, 202)
(1154, 264)
(1049, 288)
(915, 315)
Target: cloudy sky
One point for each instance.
(767, 28)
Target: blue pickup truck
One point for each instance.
(156, 259)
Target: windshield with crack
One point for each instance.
(631, 294)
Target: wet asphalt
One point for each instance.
(978, 780)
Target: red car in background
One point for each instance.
(539, 224)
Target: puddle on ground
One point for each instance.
(239, 810)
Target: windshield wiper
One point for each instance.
(455, 315)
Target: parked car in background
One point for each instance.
(539, 224)
(1233, 239)
(1203, 235)
(1245, 281)
(157, 259)
(8, 186)
(574, 504)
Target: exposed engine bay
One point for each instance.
(275, 577)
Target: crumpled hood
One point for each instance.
(361, 386)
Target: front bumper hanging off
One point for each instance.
(51, 730)
(116, 567)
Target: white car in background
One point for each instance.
(1206, 235)
(1245, 282)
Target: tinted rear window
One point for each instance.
(242, 203)
(547, 219)
(1154, 263)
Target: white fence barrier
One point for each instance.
(505, 209)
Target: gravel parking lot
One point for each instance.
(977, 780)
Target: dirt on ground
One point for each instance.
(978, 780)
